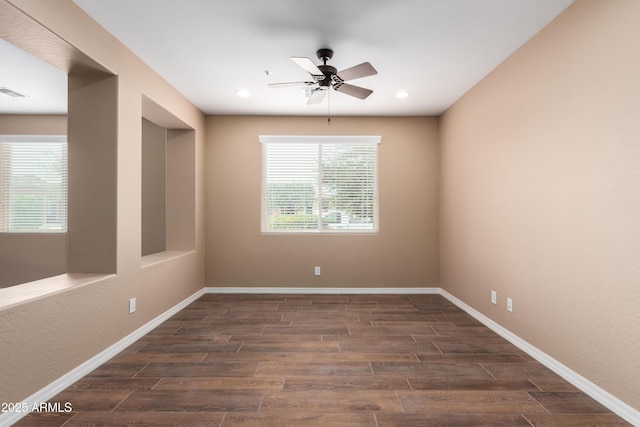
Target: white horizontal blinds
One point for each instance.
(319, 184)
(348, 188)
(290, 179)
(33, 184)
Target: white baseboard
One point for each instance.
(271, 290)
(614, 404)
(605, 398)
(48, 392)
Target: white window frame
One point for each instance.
(8, 186)
(318, 224)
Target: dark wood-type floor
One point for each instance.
(323, 360)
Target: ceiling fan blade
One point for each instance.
(285, 84)
(307, 65)
(316, 96)
(363, 70)
(357, 91)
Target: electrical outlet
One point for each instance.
(316, 271)
(510, 305)
(494, 297)
(132, 305)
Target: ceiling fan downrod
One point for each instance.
(324, 55)
(329, 72)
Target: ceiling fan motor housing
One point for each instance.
(329, 74)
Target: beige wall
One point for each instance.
(27, 257)
(43, 335)
(154, 189)
(541, 194)
(32, 124)
(404, 253)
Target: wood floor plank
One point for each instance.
(320, 317)
(104, 383)
(528, 370)
(191, 347)
(149, 357)
(276, 338)
(212, 369)
(470, 402)
(568, 402)
(292, 346)
(166, 329)
(401, 317)
(298, 420)
(431, 370)
(553, 384)
(327, 309)
(219, 383)
(335, 369)
(192, 401)
(392, 330)
(248, 314)
(91, 400)
(306, 330)
(382, 340)
(308, 382)
(331, 401)
(257, 357)
(222, 329)
(372, 347)
(407, 323)
(579, 420)
(188, 339)
(465, 383)
(482, 358)
(189, 314)
(461, 347)
(156, 419)
(461, 331)
(45, 419)
(444, 420)
(363, 357)
(118, 369)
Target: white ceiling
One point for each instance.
(44, 87)
(435, 49)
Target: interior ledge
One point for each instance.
(160, 257)
(32, 291)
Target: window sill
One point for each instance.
(160, 257)
(321, 233)
(38, 289)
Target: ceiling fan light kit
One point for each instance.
(326, 76)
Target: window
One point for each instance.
(319, 184)
(33, 184)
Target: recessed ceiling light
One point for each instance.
(402, 94)
(242, 93)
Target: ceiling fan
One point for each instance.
(325, 76)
